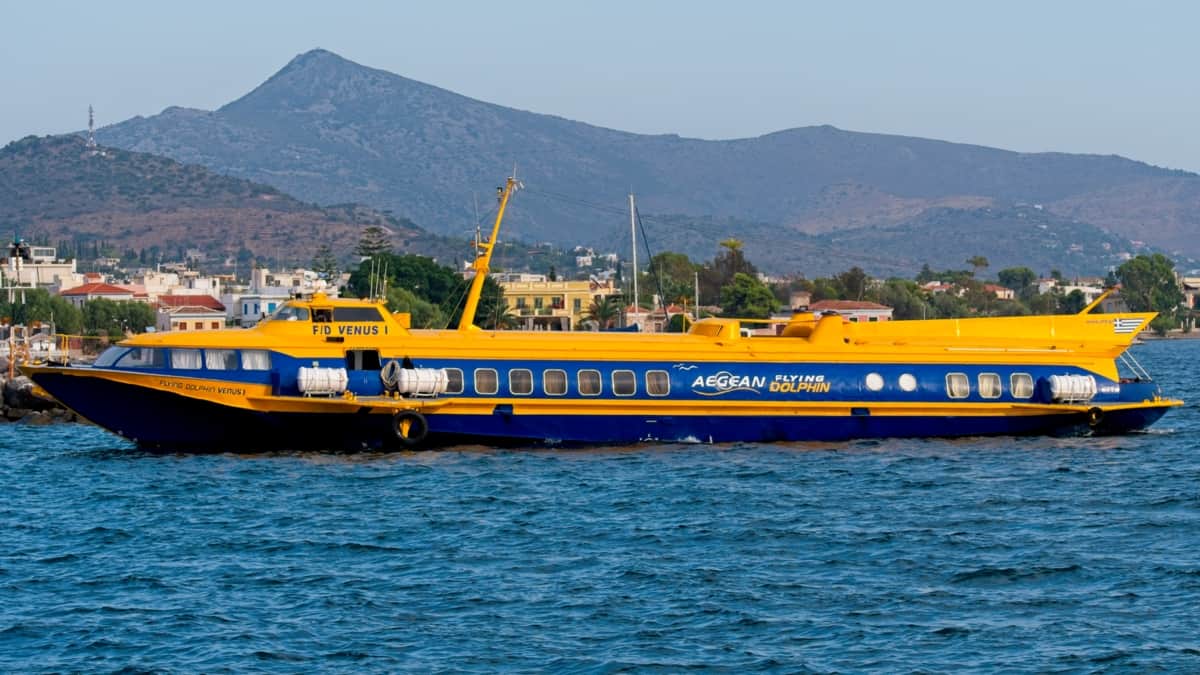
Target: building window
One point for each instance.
(989, 385)
(520, 382)
(589, 382)
(199, 325)
(957, 385)
(1021, 385)
(624, 383)
(520, 303)
(554, 382)
(454, 381)
(182, 325)
(658, 382)
(537, 302)
(486, 381)
(577, 305)
(216, 325)
(245, 308)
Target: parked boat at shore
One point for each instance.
(325, 372)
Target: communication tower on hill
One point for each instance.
(91, 137)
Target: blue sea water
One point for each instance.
(1043, 554)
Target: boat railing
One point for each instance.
(1139, 372)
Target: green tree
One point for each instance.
(1019, 279)
(719, 273)
(853, 283)
(1148, 284)
(374, 241)
(324, 263)
(905, 298)
(604, 312)
(116, 319)
(977, 263)
(431, 282)
(42, 307)
(1073, 302)
(676, 272)
(748, 297)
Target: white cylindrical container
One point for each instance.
(322, 381)
(1072, 388)
(422, 381)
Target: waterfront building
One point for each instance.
(189, 312)
(541, 304)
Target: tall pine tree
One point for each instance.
(374, 240)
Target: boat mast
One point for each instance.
(484, 259)
(633, 240)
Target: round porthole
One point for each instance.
(908, 382)
(874, 381)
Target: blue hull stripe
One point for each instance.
(164, 419)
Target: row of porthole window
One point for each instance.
(588, 382)
(958, 385)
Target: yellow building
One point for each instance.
(551, 305)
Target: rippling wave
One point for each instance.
(1049, 554)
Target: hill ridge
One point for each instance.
(330, 130)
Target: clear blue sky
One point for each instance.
(1094, 77)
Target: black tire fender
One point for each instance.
(410, 428)
(1094, 417)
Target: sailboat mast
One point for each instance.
(483, 260)
(633, 240)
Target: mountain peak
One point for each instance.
(313, 57)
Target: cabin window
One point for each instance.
(289, 313)
(256, 359)
(520, 382)
(142, 357)
(989, 385)
(185, 359)
(486, 381)
(658, 382)
(454, 381)
(874, 382)
(109, 357)
(957, 385)
(323, 315)
(554, 382)
(220, 359)
(589, 382)
(908, 382)
(1021, 385)
(624, 383)
(356, 314)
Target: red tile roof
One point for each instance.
(844, 306)
(97, 289)
(200, 300)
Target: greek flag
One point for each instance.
(1126, 325)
